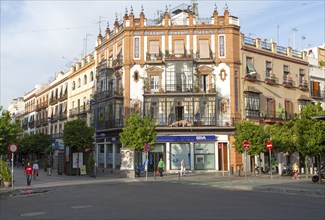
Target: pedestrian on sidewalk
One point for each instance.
(295, 169)
(35, 169)
(183, 169)
(161, 166)
(49, 165)
(28, 173)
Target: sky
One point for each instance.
(40, 38)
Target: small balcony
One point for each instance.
(53, 101)
(287, 82)
(178, 56)
(154, 58)
(31, 124)
(63, 97)
(204, 59)
(270, 79)
(118, 62)
(303, 85)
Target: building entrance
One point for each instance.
(154, 158)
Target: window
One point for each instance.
(236, 93)
(154, 80)
(204, 83)
(136, 47)
(85, 79)
(179, 47)
(268, 69)
(315, 89)
(79, 82)
(286, 76)
(91, 76)
(250, 69)
(204, 52)
(302, 104)
(136, 76)
(222, 46)
(288, 109)
(73, 85)
(252, 104)
(301, 77)
(270, 108)
(154, 47)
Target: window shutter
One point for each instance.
(204, 49)
(179, 47)
(154, 47)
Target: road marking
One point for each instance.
(29, 214)
(81, 206)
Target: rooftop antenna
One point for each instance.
(294, 30)
(302, 41)
(100, 20)
(85, 50)
(277, 34)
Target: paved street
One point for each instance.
(195, 196)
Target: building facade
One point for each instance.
(181, 71)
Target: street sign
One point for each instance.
(246, 145)
(147, 147)
(269, 145)
(12, 148)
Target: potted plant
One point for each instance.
(5, 174)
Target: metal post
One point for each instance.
(223, 165)
(271, 163)
(146, 167)
(12, 170)
(245, 165)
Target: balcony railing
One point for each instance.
(287, 82)
(249, 41)
(281, 50)
(53, 101)
(114, 123)
(315, 94)
(303, 85)
(270, 79)
(154, 57)
(118, 62)
(272, 116)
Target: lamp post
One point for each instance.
(94, 108)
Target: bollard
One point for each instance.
(179, 175)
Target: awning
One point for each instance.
(304, 97)
(250, 68)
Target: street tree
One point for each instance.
(255, 134)
(138, 132)
(282, 136)
(9, 130)
(78, 135)
(34, 144)
(306, 129)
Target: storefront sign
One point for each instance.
(185, 138)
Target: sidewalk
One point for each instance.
(261, 183)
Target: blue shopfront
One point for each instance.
(200, 152)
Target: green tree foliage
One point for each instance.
(138, 132)
(78, 135)
(35, 143)
(304, 126)
(9, 130)
(282, 136)
(246, 130)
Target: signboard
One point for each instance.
(269, 145)
(147, 147)
(127, 159)
(83, 170)
(12, 148)
(220, 146)
(246, 145)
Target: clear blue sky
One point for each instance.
(42, 38)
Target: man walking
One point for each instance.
(49, 165)
(29, 173)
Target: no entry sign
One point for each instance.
(269, 145)
(246, 145)
(12, 148)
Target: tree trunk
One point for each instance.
(319, 171)
(306, 166)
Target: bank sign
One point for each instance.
(192, 138)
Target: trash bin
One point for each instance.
(231, 169)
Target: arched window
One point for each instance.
(85, 79)
(91, 76)
(79, 82)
